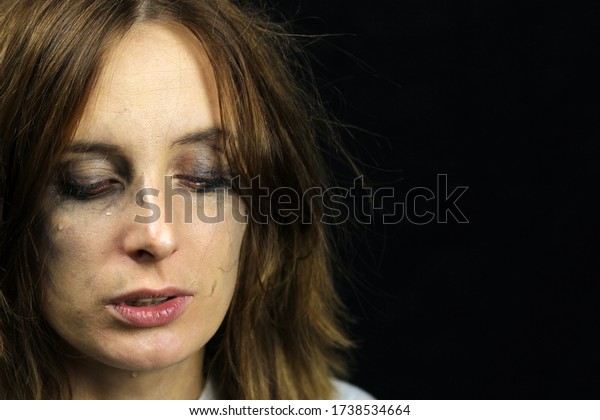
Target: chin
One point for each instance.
(144, 352)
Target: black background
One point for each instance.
(502, 96)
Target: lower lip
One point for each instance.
(151, 316)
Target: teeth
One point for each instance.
(146, 301)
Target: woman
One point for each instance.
(135, 259)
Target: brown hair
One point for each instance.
(282, 336)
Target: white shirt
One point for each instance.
(343, 391)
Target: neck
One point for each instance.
(93, 380)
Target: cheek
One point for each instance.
(78, 244)
(80, 240)
(217, 266)
(212, 252)
(76, 248)
(69, 297)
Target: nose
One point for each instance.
(150, 238)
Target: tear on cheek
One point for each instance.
(58, 225)
(57, 240)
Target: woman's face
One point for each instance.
(138, 279)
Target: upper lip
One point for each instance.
(150, 293)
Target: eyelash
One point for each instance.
(208, 184)
(101, 188)
(87, 191)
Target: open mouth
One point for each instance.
(146, 308)
(151, 301)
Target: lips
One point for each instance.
(148, 301)
(150, 308)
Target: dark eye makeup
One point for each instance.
(95, 186)
(88, 191)
(204, 184)
(89, 178)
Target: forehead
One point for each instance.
(158, 79)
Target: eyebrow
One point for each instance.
(205, 135)
(82, 146)
(208, 134)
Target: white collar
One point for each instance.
(208, 391)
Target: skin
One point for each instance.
(157, 87)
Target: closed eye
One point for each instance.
(88, 191)
(203, 184)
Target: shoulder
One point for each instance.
(346, 391)
(343, 391)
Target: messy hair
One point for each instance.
(282, 337)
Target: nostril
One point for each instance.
(142, 254)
